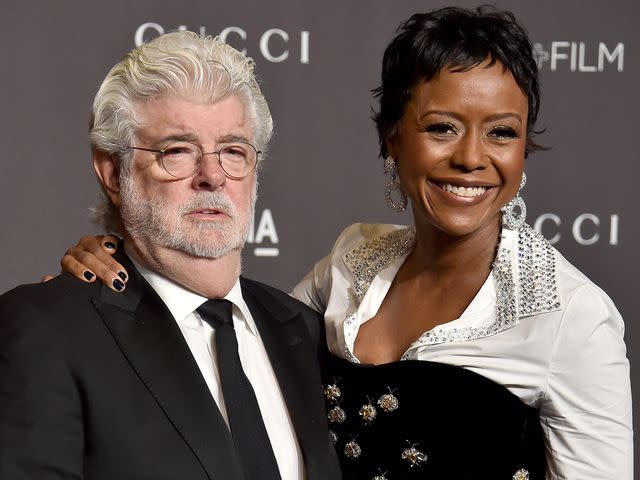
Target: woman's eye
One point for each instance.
(503, 132)
(440, 128)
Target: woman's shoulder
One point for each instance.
(358, 254)
(571, 279)
(532, 275)
(579, 293)
(359, 248)
(358, 233)
(372, 237)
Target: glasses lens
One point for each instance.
(238, 159)
(181, 159)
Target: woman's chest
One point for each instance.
(518, 357)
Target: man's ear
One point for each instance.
(107, 168)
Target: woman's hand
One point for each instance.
(91, 258)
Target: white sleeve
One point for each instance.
(313, 289)
(586, 411)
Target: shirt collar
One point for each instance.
(182, 302)
(522, 281)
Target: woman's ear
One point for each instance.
(391, 144)
(107, 168)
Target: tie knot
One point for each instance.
(216, 312)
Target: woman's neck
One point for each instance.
(437, 253)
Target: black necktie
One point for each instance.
(245, 422)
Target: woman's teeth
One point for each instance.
(463, 191)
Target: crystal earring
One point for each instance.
(393, 188)
(514, 212)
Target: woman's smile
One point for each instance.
(463, 191)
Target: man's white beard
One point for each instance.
(163, 223)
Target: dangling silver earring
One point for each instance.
(514, 212)
(393, 187)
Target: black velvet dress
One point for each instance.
(426, 420)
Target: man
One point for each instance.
(165, 380)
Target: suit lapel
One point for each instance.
(292, 355)
(152, 342)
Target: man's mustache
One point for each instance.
(211, 201)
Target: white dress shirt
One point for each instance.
(537, 326)
(199, 335)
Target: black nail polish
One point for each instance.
(122, 275)
(110, 245)
(118, 285)
(88, 275)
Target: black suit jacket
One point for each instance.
(102, 385)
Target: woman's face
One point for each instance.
(460, 148)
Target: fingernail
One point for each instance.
(118, 285)
(110, 245)
(88, 275)
(122, 275)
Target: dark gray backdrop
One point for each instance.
(317, 62)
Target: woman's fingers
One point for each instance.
(98, 244)
(91, 258)
(87, 266)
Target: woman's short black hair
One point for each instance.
(458, 39)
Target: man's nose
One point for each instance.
(210, 175)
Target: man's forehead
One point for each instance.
(187, 136)
(191, 119)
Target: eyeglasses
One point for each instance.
(183, 159)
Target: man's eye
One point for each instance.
(177, 151)
(503, 132)
(237, 152)
(441, 128)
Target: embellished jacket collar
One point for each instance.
(523, 274)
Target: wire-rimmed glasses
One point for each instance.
(183, 159)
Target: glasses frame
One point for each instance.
(160, 158)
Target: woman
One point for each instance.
(465, 346)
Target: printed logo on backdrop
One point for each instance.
(263, 235)
(580, 56)
(584, 229)
(275, 45)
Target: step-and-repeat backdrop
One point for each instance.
(317, 62)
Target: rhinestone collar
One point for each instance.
(370, 257)
(525, 279)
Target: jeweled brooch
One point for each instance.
(414, 456)
(521, 474)
(337, 415)
(388, 402)
(332, 392)
(368, 413)
(352, 449)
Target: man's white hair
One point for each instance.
(180, 62)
